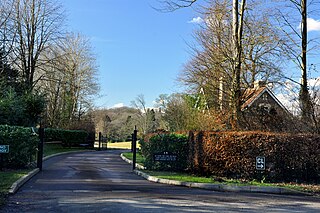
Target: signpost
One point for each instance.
(165, 156)
(260, 163)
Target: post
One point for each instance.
(1, 161)
(134, 148)
(132, 142)
(99, 141)
(106, 141)
(40, 148)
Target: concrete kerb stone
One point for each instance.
(19, 183)
(217, 187)
(138, 166)
(16, 185)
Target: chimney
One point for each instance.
(259, 84)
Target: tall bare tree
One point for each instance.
(38, 24)
(304, 96)
(70, 81)
(297, 45)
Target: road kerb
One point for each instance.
(218, 187)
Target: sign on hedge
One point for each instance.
(4, 148)
(165, 156)
(260, 163)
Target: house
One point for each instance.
(262, 110)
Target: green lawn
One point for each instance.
(121, 145)
(7, 179)
(184, 177)
(139, 157)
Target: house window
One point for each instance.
(264, 108)
(265, 97)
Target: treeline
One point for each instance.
(45, 71)
(118, 123)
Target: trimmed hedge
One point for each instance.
(158, 143)
(23, 144)
(68, 138)
(289, 157)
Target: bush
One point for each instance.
(20, 109)
(289, 157)
(23, 143)
(158, 143)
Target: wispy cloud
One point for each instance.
(196, 20)
(313, 25)
(118, 105)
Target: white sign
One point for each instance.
(260, 163)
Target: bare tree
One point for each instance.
(297, 45)
(70, 81)
(140, 104)
(7, 31)
(38, 24)
(171, 5)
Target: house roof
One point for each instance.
(251, 95)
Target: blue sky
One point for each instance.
(139, 49)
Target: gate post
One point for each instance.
(100, 137)
(134, 148)
(40, 148)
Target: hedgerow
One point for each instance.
(176, 144)
(22, 143)
(289, 157)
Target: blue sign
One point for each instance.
(4, 148)
(260, 163)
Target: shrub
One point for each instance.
(23, 143)
(158, 143)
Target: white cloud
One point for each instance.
(118, 105)
(313, 25)
(197, 20)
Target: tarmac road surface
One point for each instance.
(101, 182)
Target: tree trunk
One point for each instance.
(304, 96)
(237, 28)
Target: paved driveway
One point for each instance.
(102, 182)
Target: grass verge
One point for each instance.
(7, 179)
(184, 177)
(139, 157)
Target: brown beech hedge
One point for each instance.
(289, 157)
